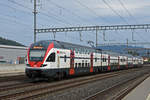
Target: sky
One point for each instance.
(16, 19)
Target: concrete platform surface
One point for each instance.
(7, 69)
(141, 92)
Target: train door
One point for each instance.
(91, 60)
(71, 71)
(104, 62)
(108, 63)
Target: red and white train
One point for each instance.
(53, 58)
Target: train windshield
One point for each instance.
(37, 55)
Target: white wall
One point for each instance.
(10, 54)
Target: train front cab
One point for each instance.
(41, 59)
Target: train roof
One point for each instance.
(59, 44)
(65, 45)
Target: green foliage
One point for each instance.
(9, 42)
(134, 53)
(149, 60)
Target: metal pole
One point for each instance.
(127, 43)
(132, 36)
(35, 12)
(96, 37)
(127, 46)
(104, 35)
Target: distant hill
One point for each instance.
(122, 49)
(4, 41)
(116, 48)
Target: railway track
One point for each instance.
(128, 86)
(38, 90)
(12, 78)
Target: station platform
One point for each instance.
(141, 92)
(9, 69)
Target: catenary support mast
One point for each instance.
(35, 13)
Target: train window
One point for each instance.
(86, 64)
(79, 65)
(121, 60)
(76, 65)
(82, 64)
(51, 58)
(104, 59)
(65, 58)
(95, 59)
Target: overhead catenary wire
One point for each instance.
(121, 17)
(9, 19)
(15, 19)
(130, 14)
(69, 11)
(119, 14)
(20, 10)
(43, 13)
(72, 13)
(58, 19)
(122, 4)
(91, 10)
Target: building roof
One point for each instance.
(13, 47)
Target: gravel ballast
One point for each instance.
(83, 91)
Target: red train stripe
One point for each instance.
(71, 70)
(28, 54)
(108, 68)
(91, 68)
(108, 64)
(48, 49)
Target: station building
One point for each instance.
(12, 54)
